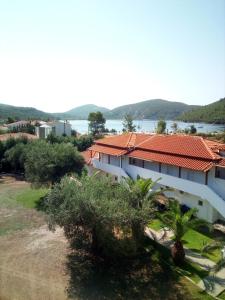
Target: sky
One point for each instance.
(56, 55)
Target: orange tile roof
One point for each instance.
(86, 155)
(191, 146)
(214, 145)
(108, 150)
(221, 163)
(175, 160)
(186, 151)
(126, 140)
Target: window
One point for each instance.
(136, 162)
(220, 173)
(132, 161)
(200, 202)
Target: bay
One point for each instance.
(147, 126)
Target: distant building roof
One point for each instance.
(45, 126)
(18, 123)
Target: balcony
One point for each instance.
(201, 190)
(111, 169)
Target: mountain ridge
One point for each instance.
(211, 113)
(153, 109)
(22, 112)
(149, 109)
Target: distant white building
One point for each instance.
(17, 125)
(57, 127)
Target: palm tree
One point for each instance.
(142, 198)
(142, 191)
(179, 223)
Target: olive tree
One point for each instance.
(46, 163)
(100, 213)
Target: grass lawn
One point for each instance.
(191, 270)
(222, 296)
(29, 197)
(195, 240)
(17, 199)
(156, 224)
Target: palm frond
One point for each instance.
(209, 247)
(220, 265)
(196, 223)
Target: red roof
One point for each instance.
(126, 140)
(192, 152)
(108, 150)
(222, 163)
(175, 160)
(215, 146)
(87, 156)
(192, 146)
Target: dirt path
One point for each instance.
(32, 260)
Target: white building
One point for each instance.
(193, 167)
(17, 125)
(58, 128)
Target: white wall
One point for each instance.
(43, 132)
(217, 184)
(206, 211)
(201, 191)
(191, 191)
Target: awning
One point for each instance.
(108, 150)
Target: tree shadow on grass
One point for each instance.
(137, 278)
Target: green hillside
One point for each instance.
(151, 109)
(22, 112)
(82, 112)
(212, 113)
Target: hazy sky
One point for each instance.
(55, 55)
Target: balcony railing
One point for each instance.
(108, 168)
(191, 187)
(200, 190)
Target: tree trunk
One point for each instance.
(138, 235)
(96, 247)
(178, 253)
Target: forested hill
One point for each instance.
(212, 113)
(82, 112)
(22, 112)
(151, 109)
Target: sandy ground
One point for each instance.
(32, 260)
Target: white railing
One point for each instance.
(191, 187)
(114, 170)
(201, 190)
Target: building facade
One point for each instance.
(58, 128)
(191, 167)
